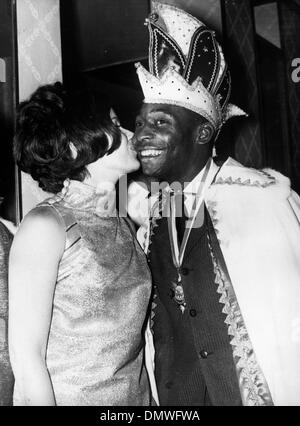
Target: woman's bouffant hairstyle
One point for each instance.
(49, 121)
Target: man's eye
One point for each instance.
(138, 124)
(161, 122)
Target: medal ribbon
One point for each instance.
(178, 252)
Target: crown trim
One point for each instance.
(154, 43)
(184, 105)
(219, 84)
(191, 56)
(194, 97)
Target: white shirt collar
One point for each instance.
(191, 188)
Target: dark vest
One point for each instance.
(193, 361)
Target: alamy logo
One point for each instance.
(296, 71)
(171, 415)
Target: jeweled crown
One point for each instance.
(187, 67)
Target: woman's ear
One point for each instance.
(73, 151)
(205, 132)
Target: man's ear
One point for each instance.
(205, 132)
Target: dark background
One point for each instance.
(101, 40)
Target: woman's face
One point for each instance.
(125, 156)
(121, 161)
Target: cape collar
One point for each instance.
(234, 173)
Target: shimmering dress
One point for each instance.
(95, 347)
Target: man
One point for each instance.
(226, 307)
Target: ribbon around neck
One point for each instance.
(178, 252)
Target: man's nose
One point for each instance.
(142, 134)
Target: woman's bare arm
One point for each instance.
(34, 258)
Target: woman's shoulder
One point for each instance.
(43, 215)
(43, 225)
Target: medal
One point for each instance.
(178, 252)
(179, 296)
(178, 293)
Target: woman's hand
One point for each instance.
(34, 258)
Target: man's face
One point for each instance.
(163, 141)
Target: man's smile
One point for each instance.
(149, 153)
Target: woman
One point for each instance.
(79, 284)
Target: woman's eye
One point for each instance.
(116, 122)
(138, 124)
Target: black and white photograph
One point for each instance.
(149, 206)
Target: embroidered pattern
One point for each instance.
(180, 26)
(271, 180)
(253, 386)
(156, 53)
(191, 60)
(155, 216)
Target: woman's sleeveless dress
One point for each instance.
(95, 350)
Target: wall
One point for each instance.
(39, 57)
(119, 38)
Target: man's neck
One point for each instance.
(190, 174)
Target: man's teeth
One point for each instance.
(150, 153)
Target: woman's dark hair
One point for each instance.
(49, 121)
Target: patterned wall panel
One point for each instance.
(39, 57)
(290, 34)
(267, 23)
(240, 50)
